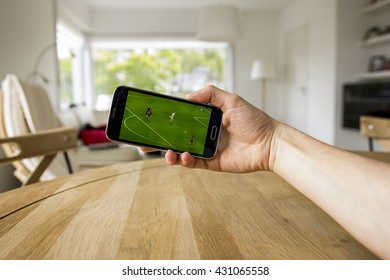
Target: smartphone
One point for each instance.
(144, 118)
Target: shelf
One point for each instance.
(375, 75)
(377, 40)
(375, 7)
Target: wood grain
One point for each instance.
(148, 210)
(376, 128)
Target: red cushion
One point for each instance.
(93, 135)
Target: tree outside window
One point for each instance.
(175, 71)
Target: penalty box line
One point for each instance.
(150, 127)
(129, 129)
(199, 118)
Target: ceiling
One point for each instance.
(185, 4)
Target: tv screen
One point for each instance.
(372, 99)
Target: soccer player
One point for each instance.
(172, 116)
(192, 140)
(149, 112)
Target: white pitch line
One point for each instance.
(150, 127)
(208, 110)
(160, 143)
(196, 118)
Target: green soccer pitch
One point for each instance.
(160, 122)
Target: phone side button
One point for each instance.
(213, 133)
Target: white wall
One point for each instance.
(143, 23)
(75, 13)
(26, 28)
(259, 40)
(320, 16)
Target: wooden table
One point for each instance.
(149, 210)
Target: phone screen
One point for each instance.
(157, 121)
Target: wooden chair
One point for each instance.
(18, 120)
(376, 128)
(26, 109)
(31, 153)
(45, 145)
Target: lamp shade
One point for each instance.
(261, 70)
(219, 23)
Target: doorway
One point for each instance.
(296, 77)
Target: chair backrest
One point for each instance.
(27, 109)
(31, 104)
(376, 128)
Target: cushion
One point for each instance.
(93, 135)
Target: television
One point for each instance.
(372, 99)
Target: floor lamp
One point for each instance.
(261, 71)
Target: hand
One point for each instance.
(245, 142)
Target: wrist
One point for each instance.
(288, 146)
(276, 141)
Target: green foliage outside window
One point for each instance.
(66, 90)
(171, 71)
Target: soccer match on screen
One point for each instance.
(161, 122)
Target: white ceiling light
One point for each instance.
(219, 23)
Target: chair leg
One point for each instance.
(34, 177)
(68, 164)
(370, 144)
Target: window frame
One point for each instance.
(83, 72)
(171, 42)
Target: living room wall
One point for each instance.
(26, 29)
(320, 17)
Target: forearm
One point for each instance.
(353, 190)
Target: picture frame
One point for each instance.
(377, 63)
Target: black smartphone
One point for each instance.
(154, 120)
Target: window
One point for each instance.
(174, 68)
(69, 51)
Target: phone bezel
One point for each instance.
(117, 111)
